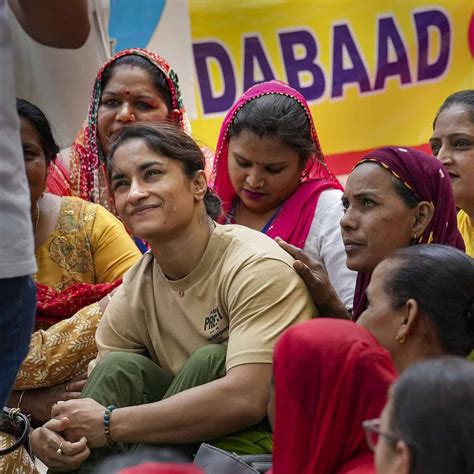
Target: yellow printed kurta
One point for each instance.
(467, 231)
(88, 245)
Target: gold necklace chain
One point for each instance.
(37, 216)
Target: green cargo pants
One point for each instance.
(124, 379)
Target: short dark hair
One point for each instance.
(464, 98)
(432, 411)
(134, 60)
(441, 280)
(277, 115)
(36, 117)
(170, 141)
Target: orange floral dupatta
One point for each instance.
(88, 172)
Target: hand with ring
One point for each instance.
(59, 450)
(54, 451)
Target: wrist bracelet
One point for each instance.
(107, 413)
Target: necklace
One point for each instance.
(37, 217)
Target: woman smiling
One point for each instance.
(185, 346)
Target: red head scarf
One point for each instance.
(88, 173)
(429, 181)
(330, 375)
(295, 216)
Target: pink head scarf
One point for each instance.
(296, 214)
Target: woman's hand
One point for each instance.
(39, 402)
(317, 280)
(45, 442)
(86, 419)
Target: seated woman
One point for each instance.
(329, 376)
(82, 252)
(395, 197)
(270, 173)
(452, 143)
(420, 302)
(420, 306)
(427, 426)
(79, 245)
(197, 365)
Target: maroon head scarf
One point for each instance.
(427, 179)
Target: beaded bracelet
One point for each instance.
(107, 413)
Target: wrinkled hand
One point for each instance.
(39, 402)
(317, 280)
(86, 419)
(46, 440)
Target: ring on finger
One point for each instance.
(59, 450)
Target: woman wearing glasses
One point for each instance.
(427, 425)
(330, 375)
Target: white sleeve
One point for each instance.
(324, 243)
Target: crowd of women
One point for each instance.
(243, 297)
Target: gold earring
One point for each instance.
(400, 339)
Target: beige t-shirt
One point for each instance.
(244, 292)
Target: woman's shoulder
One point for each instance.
(330, 199)
(244, 245)
(90, 212)
(140, 272)
(75, 215)
(463, 221)
(76, 204)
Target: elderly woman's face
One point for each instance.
(377, 221)
(130, 96)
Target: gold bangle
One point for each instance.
(20, 399)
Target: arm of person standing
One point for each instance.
(55, 23)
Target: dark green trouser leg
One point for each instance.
(124, 379)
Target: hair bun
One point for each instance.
(213, 204)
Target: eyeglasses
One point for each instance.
(373, 432)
